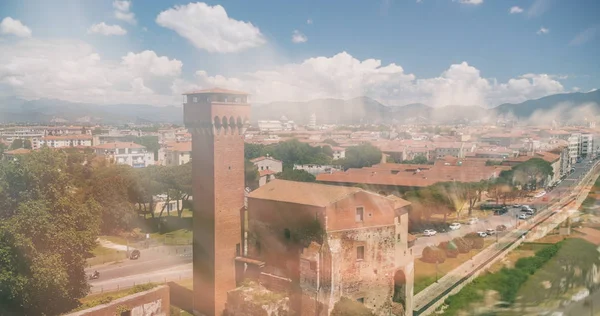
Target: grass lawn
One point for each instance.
(510, 259)
(187, 283)
(103, 255)
(176, 237)
(425, 272)
(104, 298)
(115, 239)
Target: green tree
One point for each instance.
(47, 230)
(252, 151)
(331, 142)
(20, 143)
(3, 148)
(296, 175)
(534, 171)
(251, 175)
(148, 141)
(364, 155)
(418, 160)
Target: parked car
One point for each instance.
(490, 231)
(455, 226)
(516, 205)
(473, 221)
(501, 228)
(524, 216)
(528, 212)
(429, 232)
(540, 194)
(501, 211)
(482, 234)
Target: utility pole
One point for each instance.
(436, 270)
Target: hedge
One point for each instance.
(462, 244)
(433, 255)
(476, 240)
(449, 248)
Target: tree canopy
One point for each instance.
(47, 230)
(20, 143)
(291, 152)
(363, 155)
(296, 175)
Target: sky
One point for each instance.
(438, 52)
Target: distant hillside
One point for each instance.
(363, 110)
(551, 102)
(328, 111)
(45, 110)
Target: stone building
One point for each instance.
(319, 243)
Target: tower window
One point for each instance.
(361, 300)
(360, 213)
(287, 234)
(360, 253)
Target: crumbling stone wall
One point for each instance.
(252, 299)
(154, 302)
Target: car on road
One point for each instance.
(524, 216)
(429, 232)
(135, 254)
(473, 221)
(490, 231)
(517, 205)
(454, 226)
(501, 228)
(482, 234)
(501, 211)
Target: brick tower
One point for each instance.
(216, 119)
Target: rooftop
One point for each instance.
(180, 146)
(117, 145)
(18, 151)
(216, 91)
(305, 193)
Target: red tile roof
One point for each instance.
(216, 90)
(261, 158)
(68, 137)
(266, 172)
(116, 145)
(18, 151)
(181, 146)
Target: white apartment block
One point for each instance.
(574, 147)
(62, 141)
(587, 145)
(130, 154)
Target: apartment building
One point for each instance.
(175, 154)
(63, 141)
(587, 145)
(131, 154)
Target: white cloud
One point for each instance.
(576, 89)
(473, 2)
(74, 71)
(105, 29)
(516, 9)
(543, 30)
(343, 76)
(537, 8)
(14, 27)
(209, 28)
(309, 21)
(147, 62)
(584, 36)
(123, 11)
(298, 37)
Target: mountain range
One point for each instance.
(327, 111)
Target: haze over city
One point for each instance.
(414, 157)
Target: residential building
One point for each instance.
(317, 169)
(587, 145)
(574, 147)
(338, 152)
(267, 168)
(176, 154)
(270, 126)
(62, 141)
(131, 154)
(357, 246)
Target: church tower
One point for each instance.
(216, 119)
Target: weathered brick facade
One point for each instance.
(360, 253)
(216, 118)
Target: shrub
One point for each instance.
(433, 255)
(462, 244)
(476, 240)
(449, 248)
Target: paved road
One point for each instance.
(509, 219)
